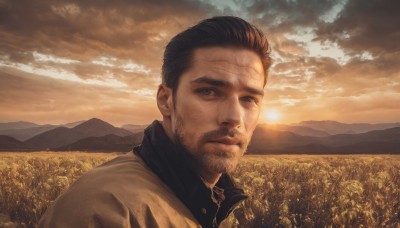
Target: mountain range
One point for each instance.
(23, 130)
(267, 141)
(308, 137)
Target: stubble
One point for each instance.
(211, 161)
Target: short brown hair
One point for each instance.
(216, 31)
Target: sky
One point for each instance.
(64, 61)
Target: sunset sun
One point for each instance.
(272, 116)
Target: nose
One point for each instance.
(230, 113)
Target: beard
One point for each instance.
(212, 161)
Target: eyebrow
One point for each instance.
(224, 84)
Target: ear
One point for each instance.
(164, 100)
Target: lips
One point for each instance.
(227, 141)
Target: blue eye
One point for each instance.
(206, 91)
(249, 99)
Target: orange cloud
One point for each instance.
(62, 61)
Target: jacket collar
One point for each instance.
(170, 163)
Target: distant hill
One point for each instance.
(98, 127)
(377, 142)
(387, 135)
(17, 125)
(305, 131)
(73, 124)
(299, 130)
(8, 143)
(310, 137)
(266, 140)
(370, 148)
(134, 128)
(23, 134)
(24, 130)
(105, 143)
(333, 127)
(62, 136)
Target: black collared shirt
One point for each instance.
(170, 163)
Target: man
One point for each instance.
(213, 77)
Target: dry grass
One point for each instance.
(284, 190)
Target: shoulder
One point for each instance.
(121, 191)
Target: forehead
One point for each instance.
(235, 65)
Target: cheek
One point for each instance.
(194, 120)
(196, 113)
(251, 121)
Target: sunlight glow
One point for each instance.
(273, 116)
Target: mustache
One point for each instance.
(223, 132)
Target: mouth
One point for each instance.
(227, 141)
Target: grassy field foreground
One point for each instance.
(284, 190)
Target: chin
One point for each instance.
(216, 164)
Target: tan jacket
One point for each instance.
(152, 186)
(123, 192)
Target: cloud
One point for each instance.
(84, 31)
(80, 59)
(55, 54)
(46, 100)
(286, 16)
(366, 26)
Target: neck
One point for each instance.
(209, 179)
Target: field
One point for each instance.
(284, 190)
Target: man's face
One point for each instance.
(217, 105)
